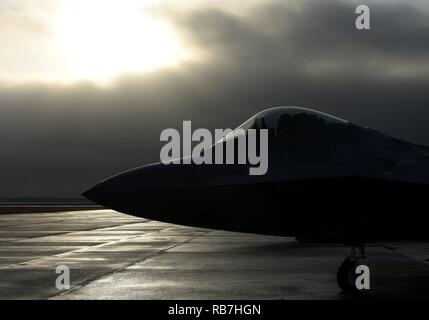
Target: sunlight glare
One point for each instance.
(101, 39)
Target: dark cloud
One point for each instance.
(57, 141)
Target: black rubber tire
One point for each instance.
(346, 276)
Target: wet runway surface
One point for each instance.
(115, 256)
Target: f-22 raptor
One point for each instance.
(328, 180)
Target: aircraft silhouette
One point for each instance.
(328, 180)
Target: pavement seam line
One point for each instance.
(87, 282)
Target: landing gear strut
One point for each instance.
(346, 274)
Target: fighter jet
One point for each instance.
(328, 180)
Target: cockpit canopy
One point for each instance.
(301, 134)
(289, 122)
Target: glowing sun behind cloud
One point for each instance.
(68, 41)
(101, 39)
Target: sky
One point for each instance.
(86, 86)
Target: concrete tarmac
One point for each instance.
(115, 256)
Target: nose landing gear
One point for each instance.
(346, 274)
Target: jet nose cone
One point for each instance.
(92, 194)
(97, 194)
(149, 191)
(124, 188)
(110, 190)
